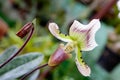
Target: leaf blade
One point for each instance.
(20, 66)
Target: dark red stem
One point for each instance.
(8, 60)
(104, 10)
(25, 76)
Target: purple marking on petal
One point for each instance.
(88, 35)
(83, 31)
(74, 29)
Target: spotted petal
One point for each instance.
(82, 67)
(85, 34)
(54, 29)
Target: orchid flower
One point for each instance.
(81, 38)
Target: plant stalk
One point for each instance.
(25, 76)
(12, 57)
(100, 14)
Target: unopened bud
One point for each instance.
(25, 30)
(58, 56)
(3, 28)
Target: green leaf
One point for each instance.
(20, 66)
(7, 53)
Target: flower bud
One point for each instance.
(58, 56)
(25, 30)
(3, 28)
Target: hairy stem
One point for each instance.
(25, 76)
(13, 56)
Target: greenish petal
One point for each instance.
(54, 29)
(84, 35)
(82, 67)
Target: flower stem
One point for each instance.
(12, 57)
(25, 76)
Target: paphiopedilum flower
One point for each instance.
(80, 38)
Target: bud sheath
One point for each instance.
(58, 56)
(25, 30)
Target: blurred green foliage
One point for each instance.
(63, 12)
